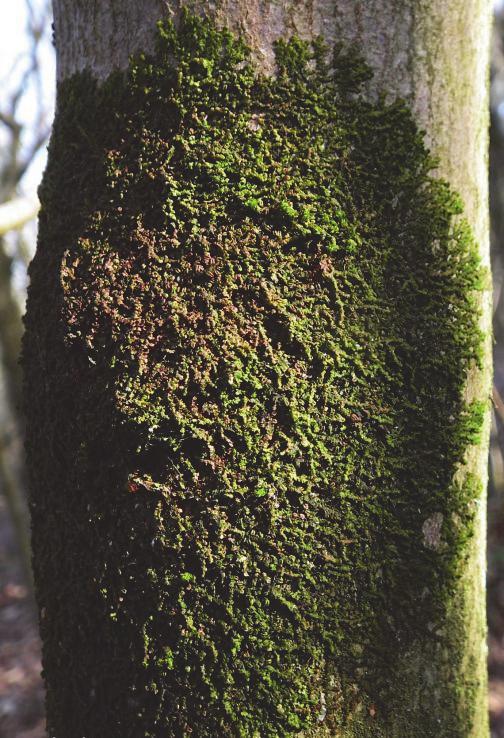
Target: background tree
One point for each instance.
(24, 129)
(257, 453)
(25, 113)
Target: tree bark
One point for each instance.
(434, 56)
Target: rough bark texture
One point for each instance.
(373, 677)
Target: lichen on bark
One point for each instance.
(250, 320)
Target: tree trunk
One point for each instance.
(257, 371)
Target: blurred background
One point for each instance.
(27, 90)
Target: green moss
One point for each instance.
(251, 316)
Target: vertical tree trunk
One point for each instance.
(257, 371)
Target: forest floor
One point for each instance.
(496, 614)
(21, 691)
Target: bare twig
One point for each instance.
(16, 213)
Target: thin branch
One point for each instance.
(16, 213)
(10, 122)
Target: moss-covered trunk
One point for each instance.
(256, 365)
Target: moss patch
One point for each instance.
(250, 320)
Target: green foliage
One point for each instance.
(250, 321)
